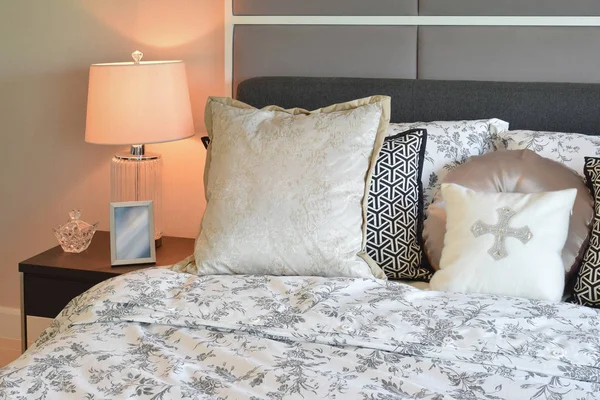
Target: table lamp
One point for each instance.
(137, 103)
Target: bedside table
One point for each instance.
(52, 278)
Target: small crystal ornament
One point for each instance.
(137, 56)
(76, 235)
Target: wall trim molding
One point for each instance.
(10, 326)
(422, 20)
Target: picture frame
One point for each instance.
(132, 233)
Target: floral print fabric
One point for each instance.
(567, 148)
(158, 334)
(449, 144)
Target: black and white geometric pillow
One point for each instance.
(395, 207)
(587, 284)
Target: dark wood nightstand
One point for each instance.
(52, 278)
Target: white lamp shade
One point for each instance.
(143, 103)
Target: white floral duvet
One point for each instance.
(158, 334)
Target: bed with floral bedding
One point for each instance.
(231, 323)
(159, 334)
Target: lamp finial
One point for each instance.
(137, 56)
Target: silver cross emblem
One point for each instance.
(501, 231)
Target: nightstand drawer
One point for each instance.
(46, 297)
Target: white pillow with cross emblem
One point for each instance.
(504, 243)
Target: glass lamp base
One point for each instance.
(139, 178)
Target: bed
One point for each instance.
(159, 334)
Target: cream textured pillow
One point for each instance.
(286, 190)
(504, 243)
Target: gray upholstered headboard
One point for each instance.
(560, 107)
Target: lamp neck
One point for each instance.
(137, 150)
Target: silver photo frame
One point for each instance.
(132, 233)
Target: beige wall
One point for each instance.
(46, 168)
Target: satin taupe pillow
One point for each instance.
(515, 171)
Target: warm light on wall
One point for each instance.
(159, 23)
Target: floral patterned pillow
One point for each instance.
(567, 148)
(450, 143)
